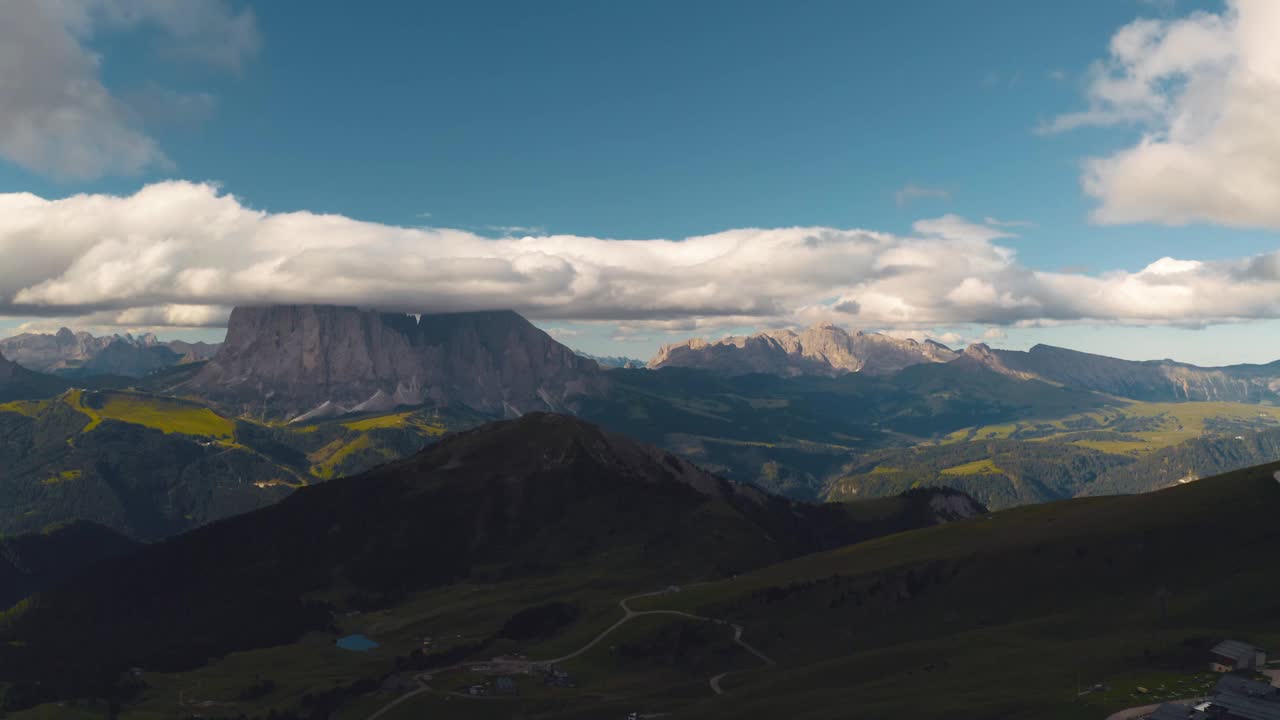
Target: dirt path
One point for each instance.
(1144, 710)
(628, 615)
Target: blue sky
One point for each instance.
(668, 120)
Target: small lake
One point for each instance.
(358, 643)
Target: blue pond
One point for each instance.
(358, 643)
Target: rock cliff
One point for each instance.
(303, 362)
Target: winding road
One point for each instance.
(628, 615)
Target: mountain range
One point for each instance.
(303, 394)
(827, 349)
(80, 354)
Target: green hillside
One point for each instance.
(1000, 616)
(151, 465)
(522, 536)
(1122, 448)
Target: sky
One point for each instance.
(1098, 175)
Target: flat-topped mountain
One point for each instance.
(822, 349)
(1153, 380)
(82, 354)
(310, 361)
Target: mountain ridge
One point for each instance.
(1151, 380)
(821, 349)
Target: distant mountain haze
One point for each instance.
(82, 354)
(823, 349)
(613, 361)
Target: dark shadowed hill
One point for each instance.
(19, 383)
(34, 562)
(538, 496)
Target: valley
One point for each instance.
(916, 622)
(961, 420)
(912, 360)
(835, 523)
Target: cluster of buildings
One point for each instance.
(1237, 696)
(552, 676)
(501, 686)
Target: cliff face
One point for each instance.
(308, 361)
(819, 350)
(1154, 380)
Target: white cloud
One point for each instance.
(181, 254)
(911, 192)
(514, 230)
(957, 228)
(56, 115)
(1205, 91)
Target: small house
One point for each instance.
(505, 685)
(1232, 655)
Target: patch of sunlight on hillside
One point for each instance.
(977, 467)
(159, 413)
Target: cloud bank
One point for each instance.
(181, 254)
(56, 115)
(1205, 90)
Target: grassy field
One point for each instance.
(977, 467)
(398, 420)
(168, 415)
(1139, 427)
(28, 408)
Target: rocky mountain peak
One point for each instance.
(298, 360)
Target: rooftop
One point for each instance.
(1235, 649)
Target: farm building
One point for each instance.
(1232, 655)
